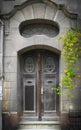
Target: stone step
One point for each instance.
(38, 125)
(40, 129)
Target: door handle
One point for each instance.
(42, 91)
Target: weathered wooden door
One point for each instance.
(40, 75)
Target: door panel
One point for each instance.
(29, 104)
(49, 67)
(49, 95)
(40, 75)
(29, 95)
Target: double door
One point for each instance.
(40, 75)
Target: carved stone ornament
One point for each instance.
(49, 65)
(29, 65)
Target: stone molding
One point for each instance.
(16, 8)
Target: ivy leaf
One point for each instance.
(69, 95)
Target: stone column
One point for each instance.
(1, 70)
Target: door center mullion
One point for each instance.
(39, 86)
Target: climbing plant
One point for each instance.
(71, 53)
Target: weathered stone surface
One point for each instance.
(61, 64)
(50, 12)
(8, 47)
(9, 6)
(61, 19)
(73, 24)
(19, 16)
(9, 105)
(39, 10)
(77, 81)
(66, 106)
(38, 127)
(13, 92)
(28, 12)
(10, 64)
(72, 5)
(59, 2)
(10, 96)
(7, 84)
(13, 105)
(9, 77)
(6, 94)
(18, 2)
(14, 23)
(6, 106)
(0, 64)
(78, 66)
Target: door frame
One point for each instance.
(57, 103)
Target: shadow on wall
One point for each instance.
(71, 120)
(10, 122)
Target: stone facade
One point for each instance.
(16, 12)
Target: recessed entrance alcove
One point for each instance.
(39, 74)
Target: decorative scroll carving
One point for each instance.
(49, 64)
(29, 65)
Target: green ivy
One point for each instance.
(71, 53)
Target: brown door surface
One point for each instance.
(40, 70)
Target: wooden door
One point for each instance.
(40, 75)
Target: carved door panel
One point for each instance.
(40, 75)
(29, 85)
(49, 80)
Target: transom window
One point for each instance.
(39, 27)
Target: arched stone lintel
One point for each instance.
(33, 47)
(29, 2)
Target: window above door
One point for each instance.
(39, 27)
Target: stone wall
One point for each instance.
(15, 44)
